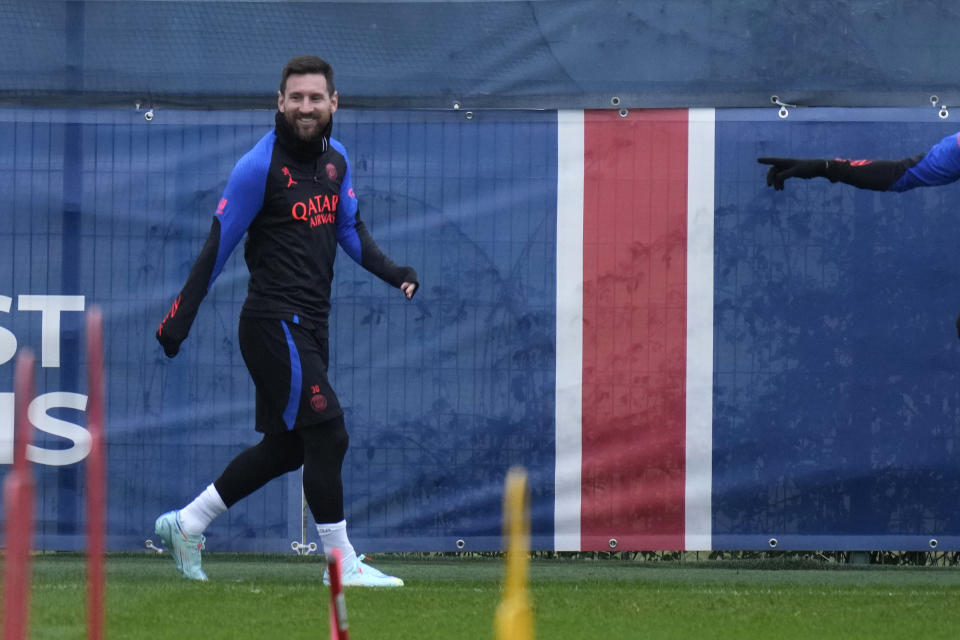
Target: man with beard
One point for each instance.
(292, 194)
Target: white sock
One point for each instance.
(197, 516)
(334, 536)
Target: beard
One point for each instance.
(306, 130)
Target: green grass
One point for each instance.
(274, 596)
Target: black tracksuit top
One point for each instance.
(295, 202)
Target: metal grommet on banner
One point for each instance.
(933, 543)
(148, 115)
(624, 112)
(615, 101)
(783, 112)
(461, 544)
(935, 102)
(773, 543)
(613, 543)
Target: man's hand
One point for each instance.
(168, 334)
(171, 347)
(783, 168)
(411, 283)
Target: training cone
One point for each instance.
(338, 603)
(18, 491)
(514, 617)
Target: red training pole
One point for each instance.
(18, 503)
(338, 603)
(96, 476)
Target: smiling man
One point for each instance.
(292, 195)
(308, 102)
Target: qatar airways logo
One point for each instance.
(318, 210)
(51, 309)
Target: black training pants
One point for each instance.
(318, 448)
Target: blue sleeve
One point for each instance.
(940, 165)
(242, 199)
(353, 236)
(347, 234)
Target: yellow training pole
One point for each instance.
(514, 618)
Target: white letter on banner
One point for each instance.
(6, 428)
(8, 341)
(54, 426)
(50, 306)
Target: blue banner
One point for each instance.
(441, 395)
(836, 403)
(676, 353)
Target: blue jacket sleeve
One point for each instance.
(353, 236)
(939, 166)
(242, 200)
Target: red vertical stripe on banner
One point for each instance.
(634, 329)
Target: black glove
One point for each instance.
(783, 168)
(958, 326)
(170, 347)
(167, 332)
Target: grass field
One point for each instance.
(449, 598)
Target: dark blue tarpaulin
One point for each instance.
(529, 53)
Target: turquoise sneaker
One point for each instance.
(363, 575)
(184, 549)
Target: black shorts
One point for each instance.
(288, 363)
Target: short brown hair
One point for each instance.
(302, 65)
